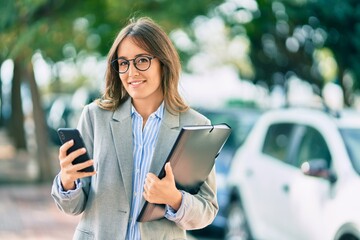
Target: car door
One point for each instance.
(309, 195)
(267, 187)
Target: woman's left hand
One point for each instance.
(162, 191)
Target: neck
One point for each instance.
(145, 108)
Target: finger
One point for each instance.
(146, 197)
(63, 149)
(148, 183)
(83, 165)
(67, 162)
(151, 176)
(149, 192)
(71, 157)
(74, 172)
(168, 170)
(146, 188)
(151, 179)
(68, 179)
(86, 174)
(146, 192)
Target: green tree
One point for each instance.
(341, 22)
(300, 30)
(296, 37)
(64, 29)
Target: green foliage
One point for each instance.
(49, 25)
(285, 36)
(342, 23)
(290, 37)
(67, 30)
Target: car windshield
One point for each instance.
(351, 138)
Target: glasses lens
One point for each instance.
(142, 63)
(120, 65)
(123, 65)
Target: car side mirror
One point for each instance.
(318, 168)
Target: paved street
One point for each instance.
(28, 212)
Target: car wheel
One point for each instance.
(237, 227)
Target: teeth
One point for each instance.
(136, 83)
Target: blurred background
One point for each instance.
(240, 58)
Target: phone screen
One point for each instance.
(67, 134)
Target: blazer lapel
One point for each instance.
(121, 129)
(169, 130)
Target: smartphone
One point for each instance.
(67, 134)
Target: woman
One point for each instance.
(129, 133)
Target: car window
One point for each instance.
(240, 121)
(351, 139)
(312, 146)
(231, 121)
(277, 140)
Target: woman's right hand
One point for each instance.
(69, 172)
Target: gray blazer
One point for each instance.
(104, 199)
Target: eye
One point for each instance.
(141, 60)
(123, 63)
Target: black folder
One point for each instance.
(192, 158)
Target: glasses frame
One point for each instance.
(114, 63)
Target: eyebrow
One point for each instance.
(137, 55)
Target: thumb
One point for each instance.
(168, 171)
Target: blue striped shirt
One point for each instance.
(144, 140)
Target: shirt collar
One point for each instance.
(158, 113)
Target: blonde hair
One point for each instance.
(150, 37)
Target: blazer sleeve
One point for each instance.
(74, 202)
(199, 210)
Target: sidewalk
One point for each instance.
(17, 165)
(28, 212)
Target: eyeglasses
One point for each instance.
(141, 63)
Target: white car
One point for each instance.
(297, 176)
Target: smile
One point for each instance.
(136, 82)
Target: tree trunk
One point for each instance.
(1, 98)
(348, 102)
(16, 130)
(41, 133)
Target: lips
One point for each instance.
(135, 83)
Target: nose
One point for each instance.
(132, 69)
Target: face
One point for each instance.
(142, 86)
